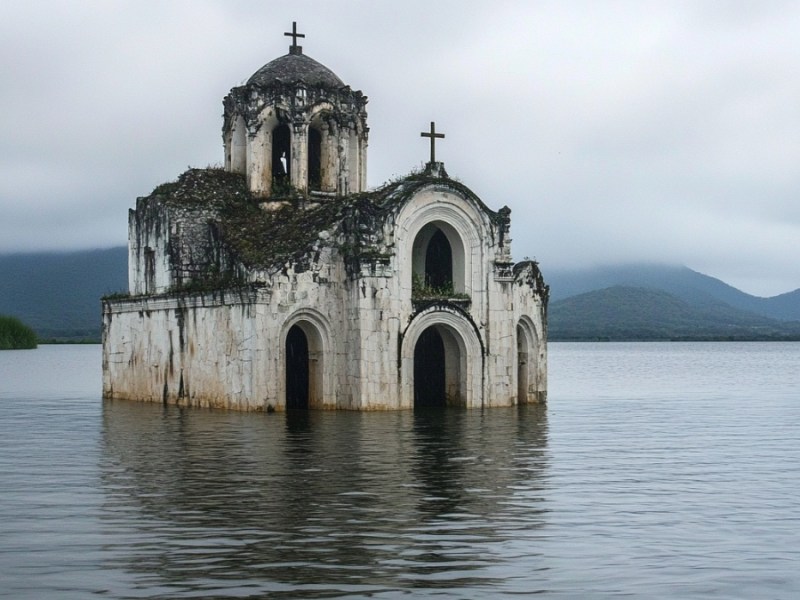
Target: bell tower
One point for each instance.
(295, 126)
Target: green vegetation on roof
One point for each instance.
(265, 239)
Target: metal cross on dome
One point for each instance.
(294, 35)
(433, 135)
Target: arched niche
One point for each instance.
(437, 256)
(306, 334)
(461, 355)
(527, 361)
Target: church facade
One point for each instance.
(280, 282)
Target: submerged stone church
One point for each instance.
(281, 282)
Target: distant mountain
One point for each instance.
(631, 313)
(58, 294)
(696, 289)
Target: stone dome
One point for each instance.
(294, 67)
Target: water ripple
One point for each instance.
(658, 471)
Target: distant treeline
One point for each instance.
(15, 335)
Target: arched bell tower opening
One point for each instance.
(281, 155)
(314, 159)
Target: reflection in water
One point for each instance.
(325, 503)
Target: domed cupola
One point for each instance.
(295, 124)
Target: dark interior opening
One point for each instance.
(429, 372)
(149, 270)
(281, 154)
(314, 159)
(439, 263)
(522, 367)
(296, 369)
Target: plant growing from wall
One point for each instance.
(421, 290)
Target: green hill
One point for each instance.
(631, 313)
(58, 294)
(696, 289)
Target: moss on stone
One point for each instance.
(210, 187)
(268, 240)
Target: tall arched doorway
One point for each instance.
(429, 370)
(297, 369)
(281, 155)
(438, 368)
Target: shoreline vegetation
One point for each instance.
(15, 335)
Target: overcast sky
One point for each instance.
(617, 131)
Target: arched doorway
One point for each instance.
(281, 155)
(314, 159)
(429, 370)
(297, 369)
(522, 365)
(438, 368)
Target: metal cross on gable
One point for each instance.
(294, 35)
(433, 135)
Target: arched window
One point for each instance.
(438, 261)
(281, 155)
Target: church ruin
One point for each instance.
(280, 282)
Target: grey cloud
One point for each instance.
(616, 131)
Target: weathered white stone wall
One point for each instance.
(149, 269)
(183, 350)
(169, 246)
(228, 349)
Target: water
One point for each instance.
(657, 471)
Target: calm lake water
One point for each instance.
(656, 471)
